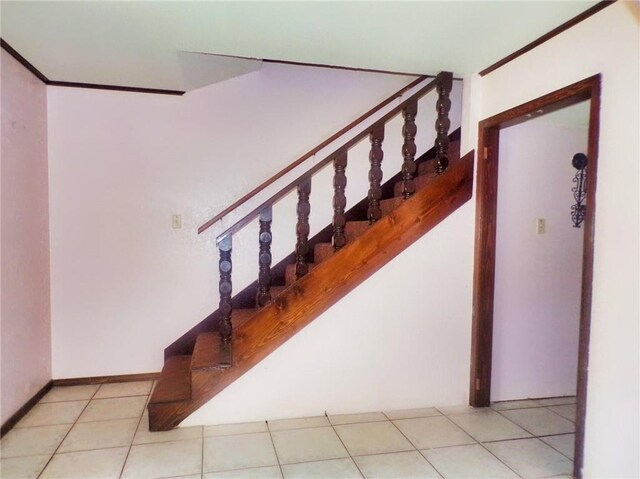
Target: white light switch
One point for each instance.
(541, 226)
(176, 222)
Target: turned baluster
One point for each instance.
(264, 258)
(339, 199)
(409, 149)
(376, 137)
(443, 105)
(302, 228)
(224, 265)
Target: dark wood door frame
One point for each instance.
(485, 242)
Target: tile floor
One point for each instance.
(102, 432)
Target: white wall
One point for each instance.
(24, 284)
(124, 284)
(538, 276)
(605, 43)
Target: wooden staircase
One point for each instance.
(321, 271)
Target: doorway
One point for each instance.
(485, 242)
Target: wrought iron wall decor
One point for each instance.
(578, 210)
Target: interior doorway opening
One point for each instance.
(487, 187)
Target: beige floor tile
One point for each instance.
(99, 435)
(530, 458)
(28, 467)
(48, 414)
(300, 423)
(115, 408)
(567, 411)
(331, 469)
(32, 441)
(357, 418)
(428, 432)
(372, 438)
(70, 393)
(558, 401)
(468, 462)
(461, 409)
(519, 404)
(563, 443)
(487, 425)
(144, 436)
(412, 413)
(134, 388)
(271, 472)
(233, 429)
(99, 464)
(540, 421)
(407, 465)
(313, 444)
(165, 459)
(225, 453)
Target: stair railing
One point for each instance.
(442, 83)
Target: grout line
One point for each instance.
(275, 451)
(67, 434)
(345, 446)
(500, 460)
(132, 439)
(416, 447)
(202, 453)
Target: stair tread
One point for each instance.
(290, 272)
(208, 354)
(175, 381)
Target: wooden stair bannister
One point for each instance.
(219, 357)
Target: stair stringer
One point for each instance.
(325, 285)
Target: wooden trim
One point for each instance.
(548, 36)
(29, 66)
(321, 164)
(122, 378)
(587, 277)
(22, 60)
(94, 86)
(308, 155)
(484, 261)
(22, 412)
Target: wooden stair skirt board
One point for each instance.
(189, 381)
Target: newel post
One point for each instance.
(443, 105)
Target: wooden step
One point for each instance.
(322, 251)
(209, 353)
(353, 229)
(175, 381)
(387, 206)
(241, 316)
(290, 272)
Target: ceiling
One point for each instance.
(147, 44)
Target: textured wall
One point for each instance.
(25, 307)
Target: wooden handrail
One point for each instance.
(309, 154)
(318, 166)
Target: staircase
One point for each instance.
(323, 269)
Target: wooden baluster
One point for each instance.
(409, 148)
(443, 105)
(339, 199)
(376, 137)
(264, 258)
(302, 228)
(224, 265)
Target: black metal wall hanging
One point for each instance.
(578, 210)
